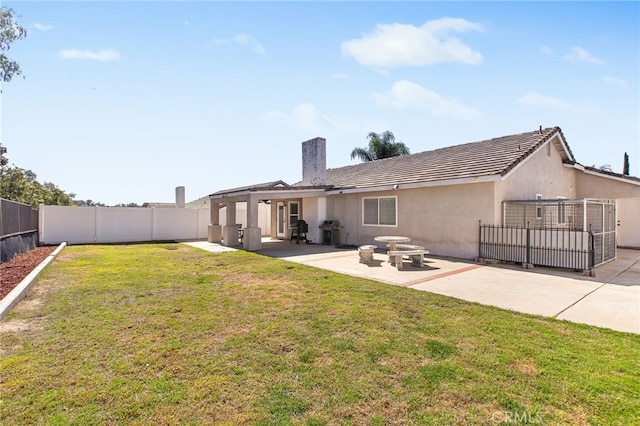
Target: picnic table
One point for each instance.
(392, 240)
(397, 250)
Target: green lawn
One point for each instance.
(168, 334)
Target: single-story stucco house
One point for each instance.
(437, 198)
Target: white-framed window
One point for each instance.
(294, 213)
(380, 211)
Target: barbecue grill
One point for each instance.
(330, 232)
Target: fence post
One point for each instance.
(479, 237)
(592, 248)
(528, 251)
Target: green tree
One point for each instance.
(381, 146)
(10, 32)
(3, 160)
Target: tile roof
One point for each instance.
(485, 158)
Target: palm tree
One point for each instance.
(380, 146)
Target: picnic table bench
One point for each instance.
(413, 252)
(366, 253)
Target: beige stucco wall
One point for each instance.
(444, 219)
(344, 208)
(541, 173)
(593, 186)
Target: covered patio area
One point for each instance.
(310, 202)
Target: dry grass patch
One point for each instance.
(525, 366)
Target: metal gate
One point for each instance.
(565, 233)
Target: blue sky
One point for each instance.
(123, 101)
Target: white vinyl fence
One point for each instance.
(86, 225)
(82, 225)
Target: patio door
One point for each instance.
(281, 220)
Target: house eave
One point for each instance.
(576, 166)
(270, 194)
(631, 181)
(399, 186)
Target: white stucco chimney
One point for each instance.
(180, 197)
(314, 162)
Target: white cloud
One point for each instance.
(578, 54)
(43, 27)
(100, 55)
(306, 117)
(395, 45)
(406, 94)
(538, 100)
(614, 81)
(242, 40)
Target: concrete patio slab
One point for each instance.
(210, 247)
(611, 299)
(519, 291)
(611, 306)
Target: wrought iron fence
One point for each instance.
(16, 218)
(567, 220)
(556, 247)
(19, 229)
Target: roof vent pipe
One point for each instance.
(540, 130)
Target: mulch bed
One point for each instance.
(14, 271)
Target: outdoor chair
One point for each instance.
(299, 232)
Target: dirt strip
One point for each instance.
(16, 269)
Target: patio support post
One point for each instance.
(215, 230)
(252, 240)
(230, 230)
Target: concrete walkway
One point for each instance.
(611, 299)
